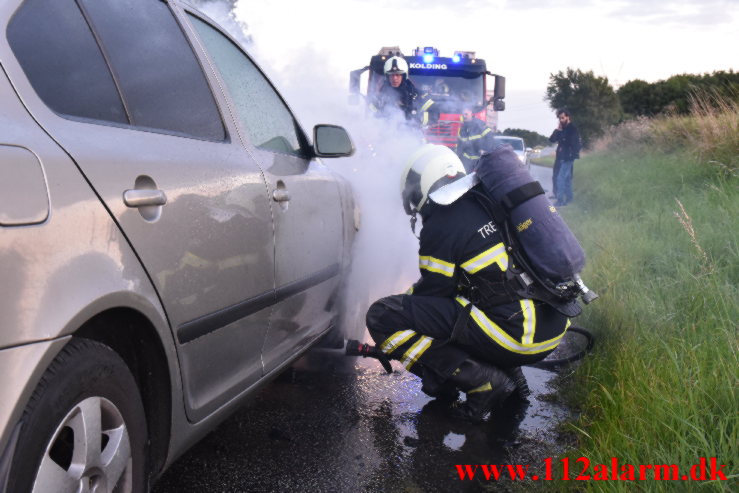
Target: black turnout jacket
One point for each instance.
(461, 240)
(404, 99)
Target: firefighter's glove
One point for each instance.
(356, 348)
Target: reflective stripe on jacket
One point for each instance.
(473, 139)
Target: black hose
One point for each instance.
(556, 364)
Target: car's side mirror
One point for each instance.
(331, 141)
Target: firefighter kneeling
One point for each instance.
(443, 331)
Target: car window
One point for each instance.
(161, 80)
(517, 144)
(264, 116)
(63, 63)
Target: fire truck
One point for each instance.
(452, 82)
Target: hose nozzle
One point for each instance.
(356, 348)
(588, 296)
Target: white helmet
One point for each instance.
(430, 168)
(396, 65)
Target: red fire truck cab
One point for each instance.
(452, 82)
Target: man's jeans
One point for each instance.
(563, 182)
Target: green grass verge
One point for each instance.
(661, 387)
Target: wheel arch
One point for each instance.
(130, 334)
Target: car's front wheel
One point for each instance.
(84, 429)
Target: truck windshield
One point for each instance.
(451, 93)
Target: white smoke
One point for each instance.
(385, 252)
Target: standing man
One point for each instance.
(568, 149)
(399, 95)
(474, 138)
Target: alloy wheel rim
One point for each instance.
(89, 452)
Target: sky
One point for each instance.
(316, 43)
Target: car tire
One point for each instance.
(84, 428)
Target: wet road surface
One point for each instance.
(543, 175)
(339, 424)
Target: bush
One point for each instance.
(710, 132)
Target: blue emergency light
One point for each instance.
(456, 58)
(428, 58)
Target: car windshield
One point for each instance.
(450, 92)
(517, 144)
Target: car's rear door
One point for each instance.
(119, 87)
(306, 202)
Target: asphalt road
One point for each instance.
(544, 176)
(338, 424)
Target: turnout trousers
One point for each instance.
(416, 330)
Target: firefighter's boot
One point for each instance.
(485, 386)
(522, 387)
(433, 386)
(446, 392)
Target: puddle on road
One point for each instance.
(531, 424)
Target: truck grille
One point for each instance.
(444, 132)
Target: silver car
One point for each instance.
(518, 145)
(169, 238)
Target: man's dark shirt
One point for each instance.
(568, 143)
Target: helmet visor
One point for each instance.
(450, 192)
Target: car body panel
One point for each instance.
(308, 253)
(309, 233)
(37, 261)
(78, 244)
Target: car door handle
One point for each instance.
(142, 198)
(281, 195)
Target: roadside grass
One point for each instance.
(660, 228)
(710, 133)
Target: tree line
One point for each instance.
(532, 139)
(595, 105)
